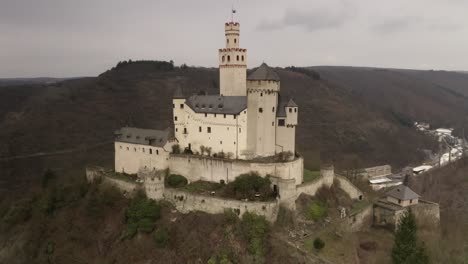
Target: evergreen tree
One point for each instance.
(406, 249)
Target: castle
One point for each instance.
(249, 127)
(247, 120)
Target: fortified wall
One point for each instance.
(152, 183)
(196, 167)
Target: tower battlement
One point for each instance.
(232, 63)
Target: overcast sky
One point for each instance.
(64, 38)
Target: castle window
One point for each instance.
(272, 123)
(214, 115)
(295, 110)
(143, 150)
(261, 94)
(273, 109)
(157, 152)
(206, 114)
(235, 40)
(134, 149)
(223, 58)
(176, 130)
(399, 201)
(221, 142)
(199, 129)
(185, 130)
(234, 142)
(151, 151)
(235, 116)
(280, 122)
(242, 57)
(239, 129)
(181, 106)
(120, 147)
(227, 41)
(208, 129)
(229, 58)
(224, 115)
(175, 118)
(237, 57)
(290, 110)
(128, 148)
(260, 110)
(411, 201)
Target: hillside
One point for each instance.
(349, 116)
(447, 186)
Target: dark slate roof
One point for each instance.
(291, 103)
(283, 103)
(217, 104)
(402, 192)
(141, 136)
(178, 94)
(263, 73)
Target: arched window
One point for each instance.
(235, 40)
(237, 58)
(223, 58)
(242, 57)
(229, 58)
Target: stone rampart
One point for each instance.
(310, 188)
(349, 188)
(195, 167)
(187, 202)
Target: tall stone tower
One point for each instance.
(232, 63)
(263, 87)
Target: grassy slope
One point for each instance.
(447, 186)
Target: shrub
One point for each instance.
(318, 243)
(140, 216)
(48, 177)
(316, 211)
(176, 181)
(248, 184)
(230, 216)
(19, 212)
(161, 237)
(255, 229)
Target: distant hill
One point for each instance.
(27, 81)
(349, 116)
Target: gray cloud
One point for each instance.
(413, 23)
(333, 15)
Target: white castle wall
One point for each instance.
(195, 168)
(129, 158)
(187, 202)
(228, 133)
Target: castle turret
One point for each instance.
(232, 63)
(180, 124)
(286, 122)
(263, 88)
